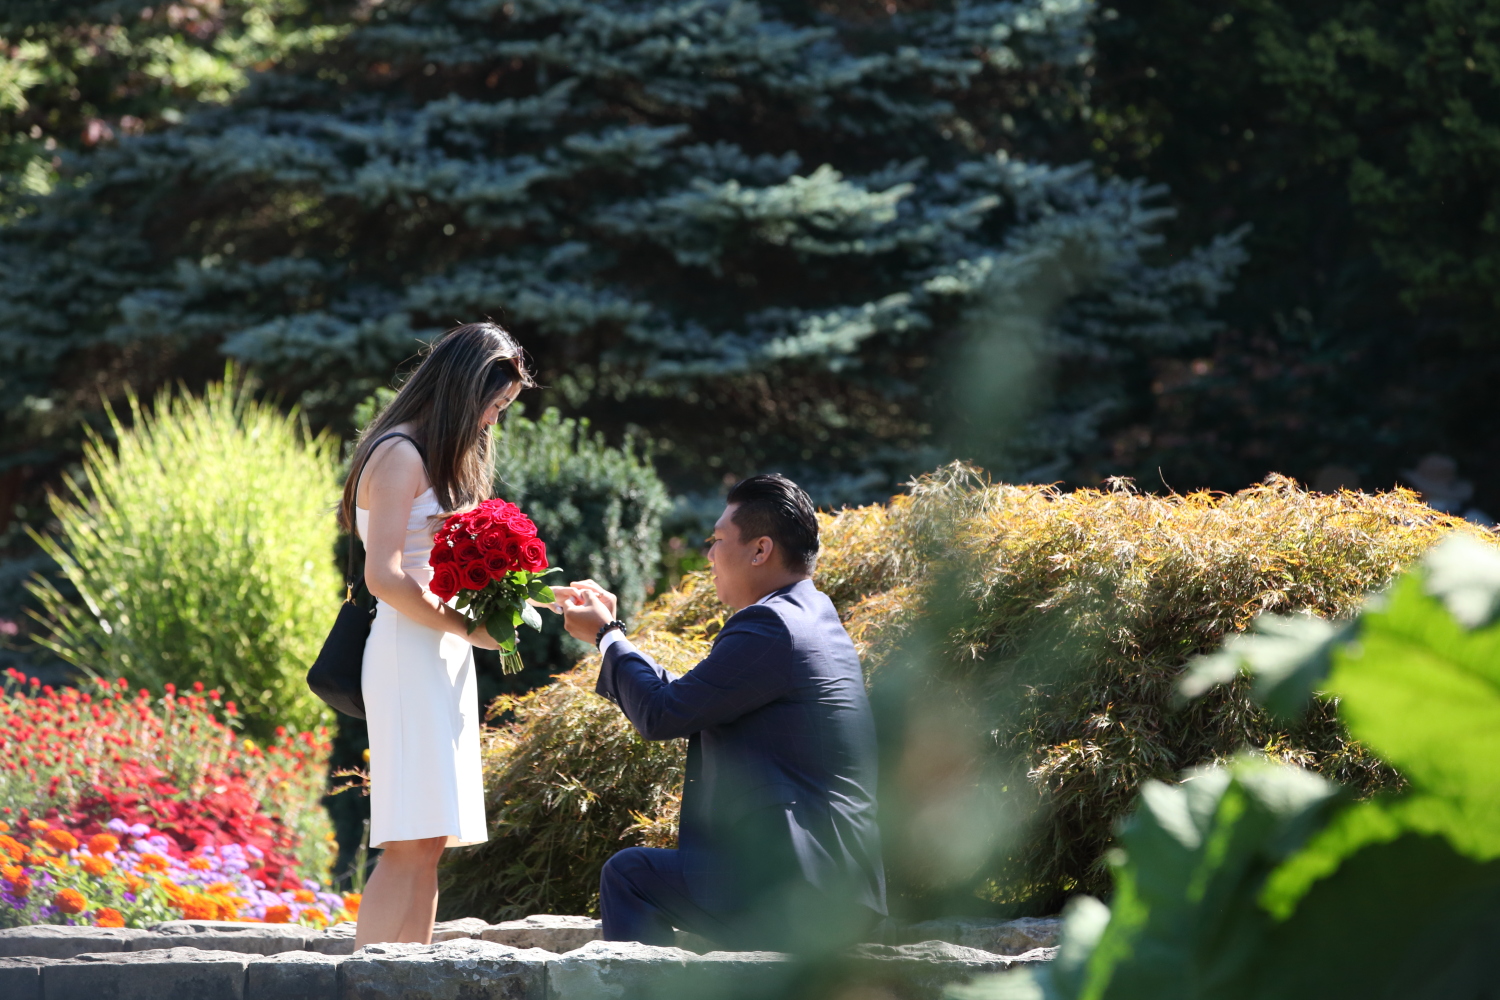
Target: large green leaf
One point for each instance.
(1183, 923)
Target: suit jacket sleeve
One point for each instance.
(747, 669)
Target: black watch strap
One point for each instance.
(606, 628)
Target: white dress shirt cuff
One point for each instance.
(611, 637)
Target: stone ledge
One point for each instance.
(549, 932)
(473, 969)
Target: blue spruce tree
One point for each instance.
(763, 233)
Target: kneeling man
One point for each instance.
(777, 844)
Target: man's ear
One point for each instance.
(765, 548)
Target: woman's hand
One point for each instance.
(579, 590)
(480, 638)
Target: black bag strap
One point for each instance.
(354, 535)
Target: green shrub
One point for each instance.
(200, 546)
(1262, 882)
(598, 508)
(1015, 637)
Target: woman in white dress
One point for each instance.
(425, 456)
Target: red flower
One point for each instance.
(512, 550)
(466, 551)
(534, 555)
(497, 564)
(520, 524)
(481, 521)
(442, 552)
(493, 540)
(474, 575)
(445, 581)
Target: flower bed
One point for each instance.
(130, 876)
(151, 809)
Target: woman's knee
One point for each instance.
(426, 852)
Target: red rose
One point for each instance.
(520, 524)
(492, 540)
(442, 552)
(444, 581)
(497, 564)
(475, 575)
(481, 521)
(534, 555)
(512, 550)
(466, 551)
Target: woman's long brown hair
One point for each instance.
(443, 401)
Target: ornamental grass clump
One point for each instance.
(200, 546)
(1022, 645)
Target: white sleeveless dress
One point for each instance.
(422, 708)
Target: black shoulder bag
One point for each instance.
(335, 674)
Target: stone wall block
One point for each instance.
(1003, 937)
(21, 978)
(621, 970)
(338, 940)
(456, 930)
(293, 975)
(56, 941)
(920, 971)
(176, 973)
(453, 970)
(547, 931)
(223, 935)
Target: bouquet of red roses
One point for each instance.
(492, 561)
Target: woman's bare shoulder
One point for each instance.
(395, 461)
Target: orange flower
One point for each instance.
(20, 885)
(199, 907)
(218, 888)
(304, 896)
(229, 909)
(103, 843)
(314, 917)
(12, 847)
(70, 901)
(61, 839)
(106, 917)
(278, 914)
(200, 864)
(38, 825)
(134, 883)
(4, 826)
(96, 866)
(351, 903)
(152, 863)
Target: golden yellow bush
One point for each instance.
(1059, 620)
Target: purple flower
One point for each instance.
(159, 842)
(254, 852)
(119, 826)
(139, 830)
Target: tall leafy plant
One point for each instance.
(199, 545)
(1260, 881)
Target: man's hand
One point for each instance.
(605, 596)
(586, 614)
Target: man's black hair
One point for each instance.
(773, 506)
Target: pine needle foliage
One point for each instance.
(199, 544)
(753, 229)
(1066, 619)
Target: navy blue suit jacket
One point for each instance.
(781, 767)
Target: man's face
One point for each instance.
(732, 560)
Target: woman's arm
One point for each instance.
(393, 478)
